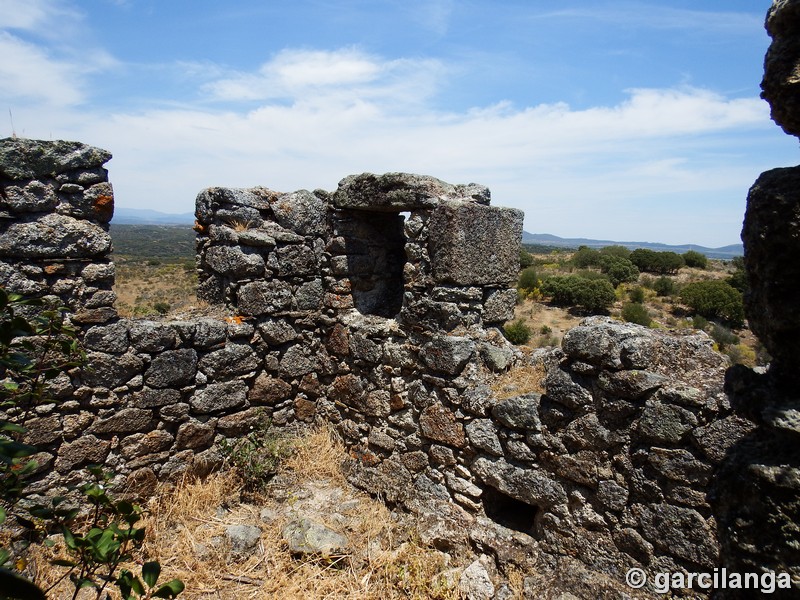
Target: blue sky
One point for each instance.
(629, 120)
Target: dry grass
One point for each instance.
(186, 534)
(520, 380)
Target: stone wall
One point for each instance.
(55, 205)
(757, 491)
(374, 308)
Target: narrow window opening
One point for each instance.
(376, 255)
(509, 512)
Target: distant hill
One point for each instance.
(144, 216)
(148, 241)
(546, 239)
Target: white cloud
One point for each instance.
(569, 169)
(29, 73)
(321, 77)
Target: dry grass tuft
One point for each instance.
(318, 455)
(520, 380)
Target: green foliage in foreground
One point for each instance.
(715, 300)
(517, 332)
(37, 344)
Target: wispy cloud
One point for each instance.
(643, 15)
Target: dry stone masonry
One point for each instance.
(757, 491)
(375, 308)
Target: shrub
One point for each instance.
(723, 336)
(161, 308)
(528, 281)
(545, 330)
(741, 354)
(738, 278)
(257, 456)
(695, 259)
(664, 286)
(699, 322)
(715, 300)
(636, 294)
(635, 312)
(525, 258)
(517, 332)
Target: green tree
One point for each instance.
(738, 278)
(715, 300)
(662, 263)
(585, 257)
(594, 295)
(616, 250)
(695, 259)
(618, 269)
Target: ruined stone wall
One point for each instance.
(374, 308)
(55, 205)
(757, 490)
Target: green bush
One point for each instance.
(636, 294)
(738, 278)
(695, 259)
(594, 295)
(528, 281)
(715, 300)
(700, 323)
(664, 286)
(525, 258)
(517, 332)
(257, 456)
(723, 336)
(634, 312)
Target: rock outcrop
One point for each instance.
(757, 490)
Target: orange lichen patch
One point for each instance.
(365, 457)
(199, 227)
(236, 319)
(54, 269)
(104, 207)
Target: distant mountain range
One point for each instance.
(546, 239)
(143, 216)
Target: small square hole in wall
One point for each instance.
(509, 512)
